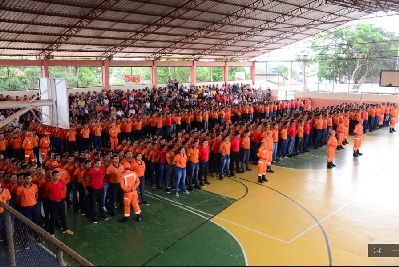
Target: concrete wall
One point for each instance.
(328, 99)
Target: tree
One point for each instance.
(355, 54)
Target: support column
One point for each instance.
(193, 73)
(226, 73)
(45, 69)
(105, 75)
(154, 80)
(252, 73)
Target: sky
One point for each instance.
(389, 22)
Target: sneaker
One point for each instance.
(83, 214)
(190, 189)
(186, 192)
(207, 183)
(94, 221)
(167, 190)
(105, 218)
(177, 195)
(202, 184)
(145, 203)
(68, 232)
(104, 209)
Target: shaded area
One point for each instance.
(169, 234)
(32, 254)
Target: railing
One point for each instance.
(27, 244)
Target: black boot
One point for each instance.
(269, 169)
(264, 178)
(138, 218)
(355, 155)
(333, 165)
(329, 166)
(123, 220)
(393, 130)
(390, 130)
(260, 179)
(359, 154)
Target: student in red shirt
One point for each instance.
(204, 152)
(55, 191)
(235, 152)
(96, 176)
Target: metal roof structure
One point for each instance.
(154, 29)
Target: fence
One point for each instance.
(23, 243)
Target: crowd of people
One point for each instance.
(171, 139)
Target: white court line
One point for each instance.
(320, 221)
(180, 205)
(235, 238)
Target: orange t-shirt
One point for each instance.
(5, 196)
(85, 133)
(193, 155)
(224, 148)
(28, 196)
(115, 173)
(3, 145)
(246, 143)
(180, 161)
(138, 168)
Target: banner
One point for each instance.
(240, 76)
(132, 78)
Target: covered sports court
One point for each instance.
(304, 215)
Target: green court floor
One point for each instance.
(174, 231)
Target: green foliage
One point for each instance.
(19, 78)
(284, 71)
(209, 74)
(77, 76)
(354, 54)
(234, 69)
(182, 74)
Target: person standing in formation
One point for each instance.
(332, 144)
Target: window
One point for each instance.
(209, 74)
(19, 78)
(78, 77)
(182, 74)
(239, 74)
(117, 74)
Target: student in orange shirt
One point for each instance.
(138, 166)
(393, 117)
(16, 144)
(113, 135)
(318, 128)
(180, 162)
(3, 145)
(114, 173)
(224, 151)
(71, 140)
(85, 133)
(332, 144)
(358, 132)
(193, 157)
(97, 130)
(246, 150)
(27, 195)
